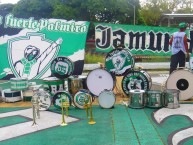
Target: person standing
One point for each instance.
(179, 48)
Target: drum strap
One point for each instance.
(27, 65)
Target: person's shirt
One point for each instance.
(178, 41)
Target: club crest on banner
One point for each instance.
(30, 56)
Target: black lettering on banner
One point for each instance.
(135, 40)
(105, 41)
(120, 38)
(166, 42)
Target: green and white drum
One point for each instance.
(81, 98)
(19, 84)
(62, 67)
(154, 99)
(119, 61)
(53, 85)
(62, 96)
(136, 80)
(137, 99)
(44, 100)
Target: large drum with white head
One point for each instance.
(181, 80)
(99, 80)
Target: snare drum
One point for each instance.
(11, 96)
(43, 100)
(137, 99)
(181, 80)
(119, 61)
(19, 84)
(171, 98)
(53, 84)
(106, 99)
(62, 96)
(82, 97)
(154, 99)
(98, 80)
(140, 80)
(76, 83)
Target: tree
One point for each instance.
(152, 10)
(34, 8)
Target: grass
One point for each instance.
(94, 58)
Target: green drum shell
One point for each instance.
(154, 99)
(171, 98)
(19, 84)
(137, 99)
(54, 85)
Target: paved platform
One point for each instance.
(120, 125)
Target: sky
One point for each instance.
(8, 1)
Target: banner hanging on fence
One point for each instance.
(28, 46)
(140, 40)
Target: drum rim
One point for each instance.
(113, 77)
(132, 65)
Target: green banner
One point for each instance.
(28, 46)
(140, 40)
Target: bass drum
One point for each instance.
(140, 80)
(181, 80)
(119, 61)
(99, 80)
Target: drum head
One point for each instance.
(106, 99)
(98, 80)
(135, 80)
(59, 97)
(44, 100)
(81, 98)
(62, 67)
(181, 80)
(119, 61)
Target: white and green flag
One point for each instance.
(28, 46)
